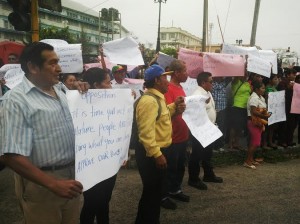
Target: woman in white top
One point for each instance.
(255, 102)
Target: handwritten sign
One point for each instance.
(164, 60)
(259, 66)
(123, 51)
(270, 56)
(276, 105)
(134, 84)
(70, 58)
(239, 50)
(102, 121)
(54, 42)
(7, 67)
(193, 61)
(295, 108)
(189, 86)
(13, 77)
(220, 65)
(196, 118)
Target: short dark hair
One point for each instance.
(149, 83)
(33, 53)
(176, 65)
(203, 77)
(93, 75)
(256, 85)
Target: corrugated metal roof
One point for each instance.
(79, 7)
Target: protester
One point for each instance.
(241, 90)
(13, 58)
(68, 80)
(255, 106)
(153, 118)
(219, 95)
(287, 128)
(97, 198)
(199, 153)
(176, 154)
(119, 75)
(271, 87)
(37, 141)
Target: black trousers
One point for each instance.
(176, 159)
(200, 155)
(286, 129)
(153, 180)
(96, 202)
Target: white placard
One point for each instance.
(276, 105)
(196, 118)
(70, 58)
(7, 67)
(13, 77)
(189, 86)
(270, 56)
(231, 49)
(102, 122)
(123, 51)
(259, 66)
(54, 42)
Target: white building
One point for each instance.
(74, 15)
(176, 37)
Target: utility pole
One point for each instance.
(205, 19)
(34, 21)
(254, 23)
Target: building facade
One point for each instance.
(178, 38)
(77, 17)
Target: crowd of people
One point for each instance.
(37, 138)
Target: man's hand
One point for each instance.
(180, 105)
(82, 87)
(161, 162)
(66, 188)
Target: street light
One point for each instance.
(158, 33)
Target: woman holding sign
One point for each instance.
(97, 198)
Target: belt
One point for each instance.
(59, 167)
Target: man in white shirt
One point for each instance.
(199, 153)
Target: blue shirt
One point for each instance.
(219, 94)
(37, 125)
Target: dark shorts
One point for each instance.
(238, 118)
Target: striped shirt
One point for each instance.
(37, 125)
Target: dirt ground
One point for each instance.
(269, 194)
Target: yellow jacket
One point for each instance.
(154, 134)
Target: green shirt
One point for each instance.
(241, 95)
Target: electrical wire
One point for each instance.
(96, 6)
(227, 17)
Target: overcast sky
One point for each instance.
(278, 23)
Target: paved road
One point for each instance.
(269, 194)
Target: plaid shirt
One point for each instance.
(219, 94)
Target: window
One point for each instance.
(172, 36)
(163, 36)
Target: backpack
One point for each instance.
(134, 131)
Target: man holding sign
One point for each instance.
(153, 118)
(199, 153)
(37, 140)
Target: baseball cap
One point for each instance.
(117, 68)
(155, 71)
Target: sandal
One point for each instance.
(249, 166)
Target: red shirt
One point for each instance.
(180, 129)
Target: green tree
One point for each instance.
(171, 51)
(57, 33)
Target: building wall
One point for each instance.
(76, 20)
(176, 37)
